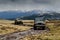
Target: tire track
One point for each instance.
(21, 35)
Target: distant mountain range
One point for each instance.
(31, 15)
(49, 16)
(14, 14)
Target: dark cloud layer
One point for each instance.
(25, 1)
(30, 4)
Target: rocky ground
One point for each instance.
(20, 35)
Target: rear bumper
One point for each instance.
(39, 27)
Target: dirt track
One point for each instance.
(21, 35)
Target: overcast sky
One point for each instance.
(26, 5)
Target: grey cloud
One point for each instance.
(42, 1)
(25, 1)
(29, 4)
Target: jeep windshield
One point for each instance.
(39, 19)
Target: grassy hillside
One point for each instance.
(53, 34)
(7, 27)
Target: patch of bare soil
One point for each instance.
(20, 35)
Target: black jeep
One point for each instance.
(39, 24)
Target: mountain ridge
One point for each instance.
(27, 14)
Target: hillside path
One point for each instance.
(21, 35)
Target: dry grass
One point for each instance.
(7, 27)
(53, 34)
